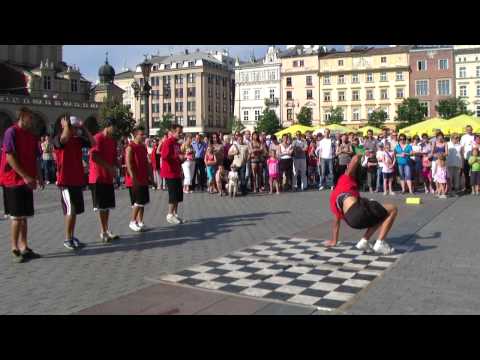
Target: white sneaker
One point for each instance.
(365, 246)
(105, 238)
(321, 188)
(112, 236)
(142, 226)
(171, 219)
(392, 193)
(382, 247)
(134, 227)
(179, 219)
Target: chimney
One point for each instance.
(348, 48)
(186, 51)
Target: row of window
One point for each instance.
(462, 72)
(257, 94)
(217, 93)
(442, 64)
(257, 76)
(369, 95)
(217, 122)
(355, 78)
(463, 90)
(246, 114)
(191, 92)
(191, 121)
(217, 107)
(383, 60)
(47, 84)
(459, 59)
(443, 87)
(355, 114)
(308, 81)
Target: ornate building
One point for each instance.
(106, 88)
(467, 70)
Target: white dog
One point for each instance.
(232, 182)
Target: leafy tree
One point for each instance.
(165, 124)
(234, 124)
(452, 107)
(336, 116)
(377, 118)
(120, 113)
(268, 122)
(304, 117)
(411, 111)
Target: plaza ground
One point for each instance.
(436, 274)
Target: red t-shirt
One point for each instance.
(106, 148)
(69, 161)
(171, 163)
(346, 184)
(24, 145)
(140, 164)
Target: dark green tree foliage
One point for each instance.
(410, 112)
(165, 125)
(268, 122)
(120, 113)
(377, 118)
(452, 107)
(336, 116)
(304, 117)
(234, 125)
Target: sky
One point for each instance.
(90, 57)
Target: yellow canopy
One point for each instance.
(293, 129)
(459, 123)
(338, 128)
(429, 127)
(363, 130)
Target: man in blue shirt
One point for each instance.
(200, 175)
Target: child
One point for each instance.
(233, 181)
(312, 161)
(427, 173)
(273, 172)
(220, 178)
(379, 156)
(474, 162)
(441, 176)
(210, 162)
(371, 163)
(388, 167)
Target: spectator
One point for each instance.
(47, 160)
(211, 162)
(325, 154)
(239, 152)
(286, 162)
(227, 162)
(274, 172)
(455, 162)
(467, 141)
(474, 163)
(370, 142)
(388, 168)
(188, 165)
(416, 159)
(312, 162)
(440, 147)
(256, 150)
(300, 162)
(403, 152)
(200, 177)
(344, 152)
(370, 162)
(380, 154)
(440, 176)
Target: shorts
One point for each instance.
(139, 196)
(103, 196)
(210, 173)
(387, 176)
(365, 214)
(175, 190)
(18, 202)
(427, 174)
(274, 176)
(475, 178)
(285, 165)
(72, 200)
(405, 172)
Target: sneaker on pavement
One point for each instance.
(29, 254)
(134, 227)
(382, 247)
(321, 188)
(171, 219)
(69, 244)
(142, 226)
(105, 238)
(17, 256)
(181, 221)
(365, 246)
(112, 236)
(77, 243)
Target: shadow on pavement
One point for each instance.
(170, 235)
(411, 239)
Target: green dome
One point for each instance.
(106, 73)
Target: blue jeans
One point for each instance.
(48, 170)
(405, 172)
(326, 166)
(379, 179)
(243, 181)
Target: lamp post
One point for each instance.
(146, 67)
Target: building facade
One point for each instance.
(300, 84)
(467, 75)
(124, 81)
(197, 89)
(257, 85)
(432, 76)
(30, 56)
(362, 80)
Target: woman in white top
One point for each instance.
(286, 161)
(416, 157)
(455, 162)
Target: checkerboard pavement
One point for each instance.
(292, 270)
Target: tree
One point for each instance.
(234, 124)
(336, 116)
(377, 118)
(268, 122)
(120, 113)
(410, 112)
(304, 117)
(165, 124)
(452, 107)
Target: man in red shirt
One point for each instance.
(20, 174)
(171, 171)
(103, 162)
(360, 213)
(69, 139)
(137, 177)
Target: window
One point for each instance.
(217, 107)
(245, 94)
(399, 76)
(74, 85)
(341, 96)
(179, 120)
(167, 108)
(326, 96)
(443, 87)
(478, 71)
(289, 81)
(179, 93)
(384, 94)
(257, 115)
(478, 110)
(224, 95)
(210, 107)
(369, 94)
(191, 92)
(245, 115)
(210, 93)
(191, 106)
(224, 107)
(272, 94)
(340, 62)
(478, 90)
(289, 95)
(463, 90)
(356, 114)
(354, 78)
(422, 65)
(178, 79)
(463, 72)
(309, 81)
(326, 79)
(47, 83)
(443, 64)
(341, 79)
(302, 63)
(309, 95)
(355, 96)
(421, 88)
(383, 59)
(217, 80)
(217, 93)
(191, 121)
(289, 114)
(385, 109)
(257, 94)
(295, 63)
(166, 80)
(190, 78)
(179, 106)
(327, 116)
(399, 93)
(369, 77)
(383, 76)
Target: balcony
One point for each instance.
(272, 102)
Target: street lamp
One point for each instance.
(146, 67)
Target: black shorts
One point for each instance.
(175, 190)
(365, 214)
(103, 196)
(139, 196)
(388, 176)
(475, 178)
(18, 201)
(72, 200)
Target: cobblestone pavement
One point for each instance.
(436, 276)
